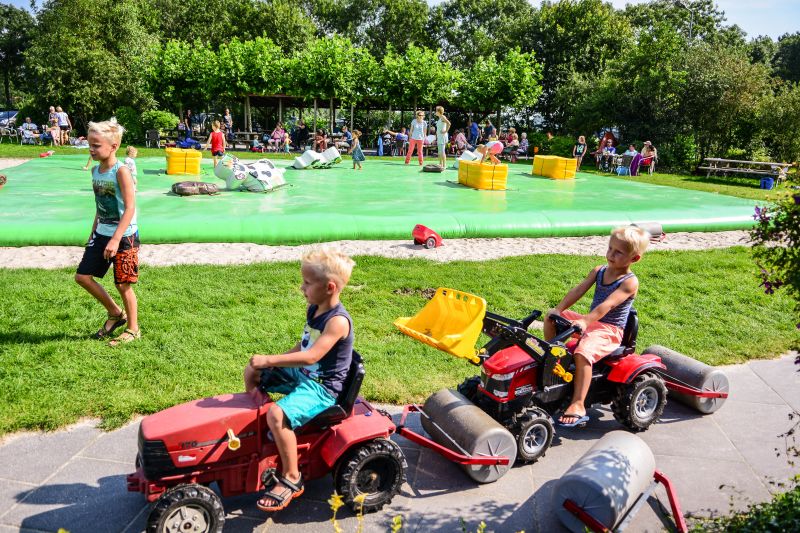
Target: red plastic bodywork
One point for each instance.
(421, 233)
(625, 369)
(195, 436)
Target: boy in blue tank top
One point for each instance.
(311, 374)
(601, 330)
(115, 234)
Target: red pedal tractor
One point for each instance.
(224, 440)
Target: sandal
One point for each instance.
(119, 320)
(127, 336)
(575, 420)
(282, 496)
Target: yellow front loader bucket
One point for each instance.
(450, 322)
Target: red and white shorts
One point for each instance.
(599, 339)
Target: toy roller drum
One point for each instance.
(473, 430)
(695, 374)
(606, 481)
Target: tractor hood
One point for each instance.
(190, 434)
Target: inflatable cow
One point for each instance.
(260, 176)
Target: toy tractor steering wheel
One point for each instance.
(564, 328)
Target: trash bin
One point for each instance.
(767, 183)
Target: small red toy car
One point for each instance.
(426, 236)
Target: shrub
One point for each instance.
(159, 120)
(780, 514)
(561, 145)
(678, 153)
(129, 118)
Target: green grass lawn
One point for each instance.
(730, 185)
(200, 324)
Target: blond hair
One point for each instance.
(439, 108)
(635, 238)
(131, 151)
(330, 264)
(110, 130)
(216, 125)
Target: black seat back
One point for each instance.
(347, 398)
(630, 333)
(352, 384)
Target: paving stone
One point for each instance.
(707, 486)
(119, 445)
(50, 450)
(12, 492)
(747, 386)
(86, 495)
(699, 436)
(783, 376)
(755, 430)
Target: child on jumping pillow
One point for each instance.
(491, 149)
(115, 234)
(355, 150)
(312, 374)
(601, 330)
(217, 142)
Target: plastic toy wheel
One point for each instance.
(534, 432)
(638, 405)
(430, 242)
(187, 508)
(375, 471)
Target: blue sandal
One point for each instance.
(577, 420)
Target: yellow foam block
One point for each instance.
(183, 162)
(482, 176)
(554, 167)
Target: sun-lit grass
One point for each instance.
(201, 323)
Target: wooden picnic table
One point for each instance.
(245, 137)
(716, 166)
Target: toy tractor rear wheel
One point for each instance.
(469, 388)
(189, 507)
(534, 432)
(375, 471)
(640, 404)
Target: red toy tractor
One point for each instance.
(225, 439)
(526, 380)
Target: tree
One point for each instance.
(762, 49)
(286, 23)
(574, 37)
(249, 67)
(186, 73)
(102, 60)
(780, 118)
(15, 35)
(490, 84)
(468, 29)
(702, 17)
(416, 77)
(787, 58)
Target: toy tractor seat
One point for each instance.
(347, 398)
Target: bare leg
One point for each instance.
(583, 378)
(286, 441)
(98, 291)
(252, 377)
(130, 303)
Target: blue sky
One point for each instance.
(756, 17)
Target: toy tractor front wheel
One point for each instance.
(369, 477)
(189, 507)
(534, 432)
(640, 404)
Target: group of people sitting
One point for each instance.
(609, 160)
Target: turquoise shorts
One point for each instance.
(305, 398)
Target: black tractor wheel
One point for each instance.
(640, 404)
(376, 471)
(430, 242)
(469, 388)
(189, 507)
(534, 433)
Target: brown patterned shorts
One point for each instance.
(126, 262)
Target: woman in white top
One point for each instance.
(416, 135)
(442, 127)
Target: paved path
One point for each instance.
(75, 478)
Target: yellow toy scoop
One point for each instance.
(450, 322)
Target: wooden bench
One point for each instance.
(757, 169)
